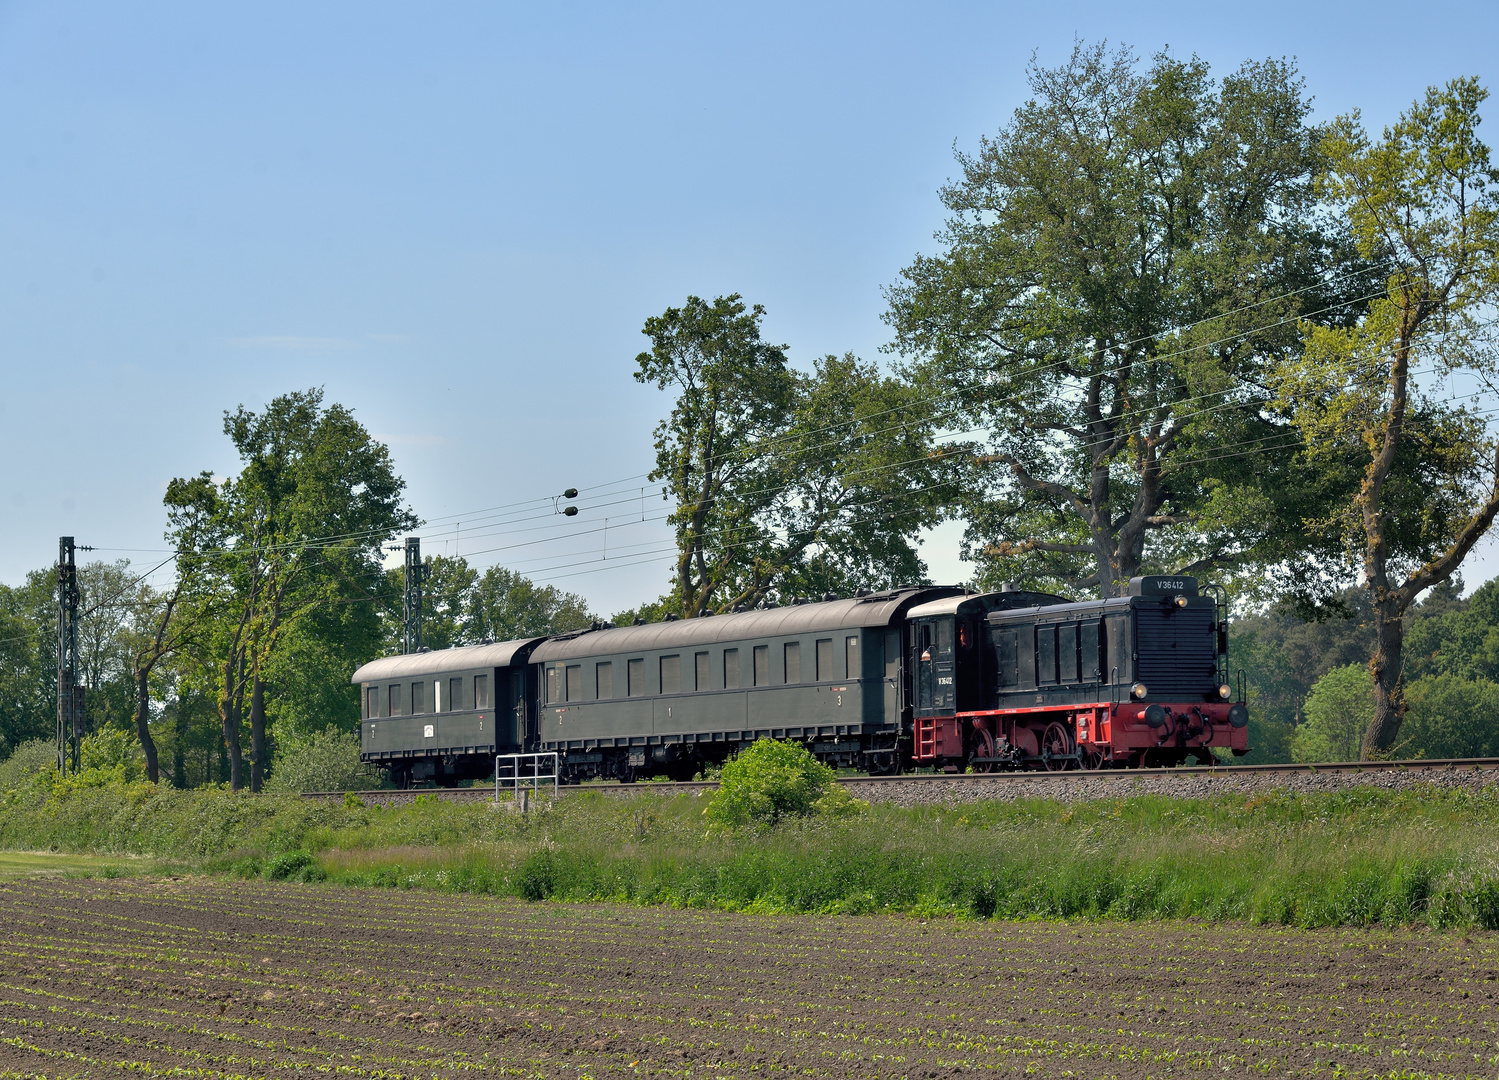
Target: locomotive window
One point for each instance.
(455, 694)
(574, 682)
(1067, 653)
(944, 640)
(671, 674)
(604, 680)
(892, 653)
(825, 659)
(635, 677)
(762, 665)
(1046, 654)
(702, 680)
(1091, 662)
(554, 682)
(418, 698)
(395, 701)
(1007, 662)
(851, 652)
(793, 661)
(730, 668)
(481, 691)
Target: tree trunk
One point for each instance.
(179, 753)
(142, 723)
(257, 734)
(231, 720)
(1386, 667)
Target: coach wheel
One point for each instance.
(983, 747)
(1056, 747)
(884, 763)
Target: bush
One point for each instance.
(1338, 711)
(772, 781)
(114, 749)
(1448, 716)
(294, 866)
(29, 758)
(328, 761)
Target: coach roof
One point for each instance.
(499, 654)
(879, 609)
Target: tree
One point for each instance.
(1421, 200)
(28, 660)
(1337, 711)
(1121, 263)
(503, 605)
(781, 481)
(1450, 716)
(298, 529)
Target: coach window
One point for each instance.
(730, 669)
(793, 661)
(851, 656)
(1046, 654)
(418, 698)
(395, 701)
(554, 682)
(575, 682)
(455, 694)
(762, 665)
(892, 653)
(604, 680)
(1067, 653)
(825, 659)
(671, 674)
(702, 678)
(635, 673)
(481, 691)
(372, 702)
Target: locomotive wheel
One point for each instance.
(1056, 743)
(983, 747)
(1093, 759)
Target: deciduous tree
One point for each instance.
(1422, 199)
(1120, 264)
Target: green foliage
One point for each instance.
(1120, 264)
(31, 758)
(325, 761)
(113, 749)
(772, 781)
(782, 482)
(28, 659)
(294, 866)
(1449, 716)
(1337, 712)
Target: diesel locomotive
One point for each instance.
(924, 676)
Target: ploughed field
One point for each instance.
(217, 978)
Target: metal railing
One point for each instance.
(515, 771)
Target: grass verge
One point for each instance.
(1357, 857)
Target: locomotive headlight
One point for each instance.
(1224, 691)
(1181, 601)
(1137, 691)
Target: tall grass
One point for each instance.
(1428, 856)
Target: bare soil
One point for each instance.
(215, 978)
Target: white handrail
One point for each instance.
(517, 763)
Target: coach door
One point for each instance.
(935, 688)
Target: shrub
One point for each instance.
(328, 761)
(113, 750)
(771, 781)
(294, 866)
(29, 759)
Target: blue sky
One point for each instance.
(455, 219)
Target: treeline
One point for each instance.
(1171, 325)
(275, 591)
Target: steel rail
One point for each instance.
(1037, 777)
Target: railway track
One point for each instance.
(979, 785)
